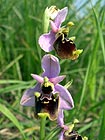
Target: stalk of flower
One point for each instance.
(58, 38)
(48, 96)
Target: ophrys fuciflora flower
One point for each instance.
(58, 38)
(48, 96)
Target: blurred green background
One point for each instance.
(20, 55)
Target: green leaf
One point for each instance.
(99, 32)
(53, 133)
(102, 127)
(12, 118)
(84, 84)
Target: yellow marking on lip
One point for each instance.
(46, 102)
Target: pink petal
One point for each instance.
(57, 79)
(66, 101)
(61, 17)
(46, 41)
(50, 66)
(28, 98)
(37, 78)
(53, 27)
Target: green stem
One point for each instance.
(42, 127)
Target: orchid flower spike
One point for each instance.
(58, 39)
(48, 96)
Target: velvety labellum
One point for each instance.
(64, 48)
(47, 103)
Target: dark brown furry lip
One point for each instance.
(47, 105)
(64, 47)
